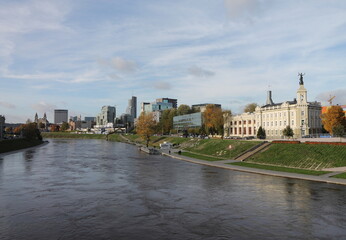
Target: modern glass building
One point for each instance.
(60, 116)
(193, 120)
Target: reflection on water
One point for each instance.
(92, 189)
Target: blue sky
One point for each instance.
(82, 54)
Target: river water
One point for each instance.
(93, 189)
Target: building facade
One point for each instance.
(170, 100)
(107, 116)
(42, 123)
(184, 122)
(203, 106)
(132, 107)
(60, 116)
(302, 116)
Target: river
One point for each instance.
(93, 189)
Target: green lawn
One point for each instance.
(341, 175)
(201, 157)
(221, 148)
(280, 169)
(306, 156)
(17, 144)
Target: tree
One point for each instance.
(8, 130)
(64, 126)
(41, 125)
(288, 132)
(213, 119)
(261, 133)
(146, 126)
(251, 107)
(183, 109)
(166, 122)
(333, 117)
(339, 131)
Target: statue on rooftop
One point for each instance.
(301, 82)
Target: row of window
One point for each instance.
(243, 121)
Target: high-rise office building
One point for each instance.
(106, 116)
(169, 100)
(60, 116)
(132, 107)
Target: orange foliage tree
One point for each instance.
(213, 119)
(145, 126)
(333, 117)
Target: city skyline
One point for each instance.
(82, 55)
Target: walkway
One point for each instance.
(224, 164)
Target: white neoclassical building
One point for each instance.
(302, 116)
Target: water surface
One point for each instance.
(93, 189)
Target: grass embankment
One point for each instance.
(279, 169)
(201, 157)
(218, 148)
(304, 156)
(341, 175)
(17, 144)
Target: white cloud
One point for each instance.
(43, 107)
(7, 105)
(162, 85)
(199, 72)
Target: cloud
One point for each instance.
(162, 85)
(7, 105)
(43, 107)
(340, 97)
(199, 72)
(120, 64)
(237, 9)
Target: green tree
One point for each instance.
(333, 117)
(339, 131)
(146, 126)
(261, 133)
(31, 132)
(183, 109)
(288, 132)
(251, 107)
(64, 126)
(166, 122)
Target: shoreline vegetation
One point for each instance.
(293, 158)
(11, 145)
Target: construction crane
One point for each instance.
(330, 100)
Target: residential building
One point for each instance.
(184, 122)
(60, 116)
(302, 116)
(107, 116)
(203, 106)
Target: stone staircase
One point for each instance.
(252, 151)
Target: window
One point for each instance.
(280, 123)
(271, 124)
(302, 113)
(254, 121)
(302, 122)
(244, 122)
(292, 122)
(244, 131)
(249, 122)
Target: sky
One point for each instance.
(83, 54)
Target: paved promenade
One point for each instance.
(223, 164)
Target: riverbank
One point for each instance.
(217, 153)
(226, 165)
(14, 145)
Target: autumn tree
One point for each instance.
(251, 107)
(288, 132)
(213, 119)
(333, 117)
(146, 126)
(183, 109)
(8, 130)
